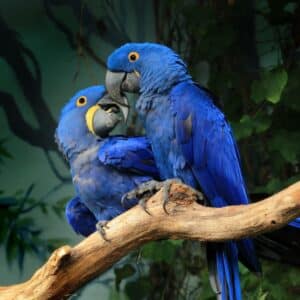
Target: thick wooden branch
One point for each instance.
(70, 268)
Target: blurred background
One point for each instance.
(246, 52)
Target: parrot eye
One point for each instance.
(81, 101)
(133, 56)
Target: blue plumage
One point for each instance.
(295, 223)
(129, 154)
(191, 140)
(80, 217)
(95, 161)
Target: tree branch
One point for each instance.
(70, 268)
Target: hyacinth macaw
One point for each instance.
(103, 168)
(191, 140)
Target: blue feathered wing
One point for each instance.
(204, 138)
(81, 219)
(129, 154)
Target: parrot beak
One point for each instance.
(119, 82)
(103, 117)
(122, 104)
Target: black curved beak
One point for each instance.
(121, 103)
(104, 116)
(103, 123)
(119, 82)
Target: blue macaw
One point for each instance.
(191, 140)
(103, 168)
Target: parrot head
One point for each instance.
(89, 115)
(143, 68)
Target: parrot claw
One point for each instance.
(101, 229)
(124, 199)
(147, 189)
(142, 203)
(143, 192)
(166, 189)
(166, 185)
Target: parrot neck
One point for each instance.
(72, 149)
(83, 159)
(163, 82)
(151, 100)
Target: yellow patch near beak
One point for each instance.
(137, 74)
(89, 117)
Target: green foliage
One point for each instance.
(270, 86)
(286, 144)
(278, 282)
(3, 151)
(19, 233)
(248, 126)
(165, 252)
(123, 272)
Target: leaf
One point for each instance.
(138, 289)
(287, 144)
(261, 123)
(258, 91)
(243, 128)
(21, 255)
(123, 272)
(270, 86)
(3, 151)
(59, 206)
(247, 125)
(263, 296)
(24, 223)
(274, 185)
(276, 81)
(160, 251)
(117, 295)
(290, 7)
(8, 201)
(54, 243)
(44, 208)
(11, 247)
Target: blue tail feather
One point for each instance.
(295, 223)
(247, 256)
(221, 274)
(227, 269)
(233, 250)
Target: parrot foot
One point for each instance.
(101, 229)
(166, 190)
(147, 189)
(143, 192)
(166, 186)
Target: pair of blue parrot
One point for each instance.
(188, 138)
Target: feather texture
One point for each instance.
(132, 154)
(81, 219)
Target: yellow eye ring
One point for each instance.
(81, 101)
(133, 56)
